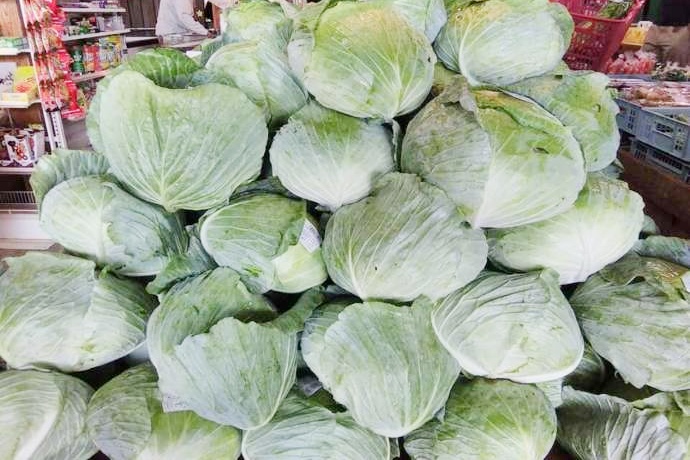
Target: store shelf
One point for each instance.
(89, 76)
(13, 52)
(73, 38)
(17, 105)
(18, 171)
(94, 10)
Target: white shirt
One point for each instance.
(177, 17)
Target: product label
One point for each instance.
(173, 404)
(310, 238)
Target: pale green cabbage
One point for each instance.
(636, 315)
(602, 427)
(168, 148)
(93, 217)
(304, 429)
(220, 351)
(257, 20)
(382, 362)
(364, 59)
(270, 240)
(534, 334)
(262, 73)
(500, 42)
(427, 16)
(126, 420)
(330, 158)
(590, 374)
(581, 101)
(476, 145)
(488, 420)
(405, 240)
(59, 311)
(43, 416)
(599, 229)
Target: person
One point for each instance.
(670, 30)
(177, 17)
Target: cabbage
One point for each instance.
(220, 352)
(95, 218)
(475, 145)
(58, 311)
(302, 428)
(535, 336)
(270, 240)
(364, 59)
(487, 420)
(167, 148)
(330, 158)
(601, 227)
(676, 250)
(636, 315)
(382, 362)
(43, 416)
(602, 427)
(262, 73)
(257, 20)
(427, 16)
(126, 421)
(405, 240)
(583, 102)
(590, 373)
(500, 42)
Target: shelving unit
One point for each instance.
(73, 38)
(13, 52)
(90, 76)
(18, 105)
(94, 10)
(11, 171)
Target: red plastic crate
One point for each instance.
(595, 39)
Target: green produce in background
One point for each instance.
(330, 158)
(60, 312)
(427, 16)
(535, 336)
(403, 241)
(602, 427)
(127, 421)
(303, 428)
(270, 240)
(221, 352)
(478, 145)
(382, 362)
(487, 420)
(599, 229)
(500, 42)
(43, 416)
(257, 20)
(636, 315)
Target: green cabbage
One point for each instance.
(58, 311)
(535, 336)
(382, 362)
(427, 16)
(270, 240)
(487, 420)
(500, 42)
(405, 240)
(330, 158)
(43, 416)
(601, 227)
(127, 421)
(257, 20)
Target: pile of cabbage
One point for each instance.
(349, 230)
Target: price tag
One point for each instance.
(310, 238)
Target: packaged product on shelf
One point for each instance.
(24, 86)
(12, 43)
(77, 53)
(23, 147)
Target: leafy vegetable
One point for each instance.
(475, 145)
(43, 416)
(599, 229)
(405, 230)
(636, 315)
(257, 20)
(427, 16)
(58, 311)
(127, 421)
(535, 337)
(270, 240)
(590, 374)
(485, 420)
(331, 158)
(500, 42)
(382, 362)
(220, 351)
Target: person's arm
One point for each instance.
(185, 13)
